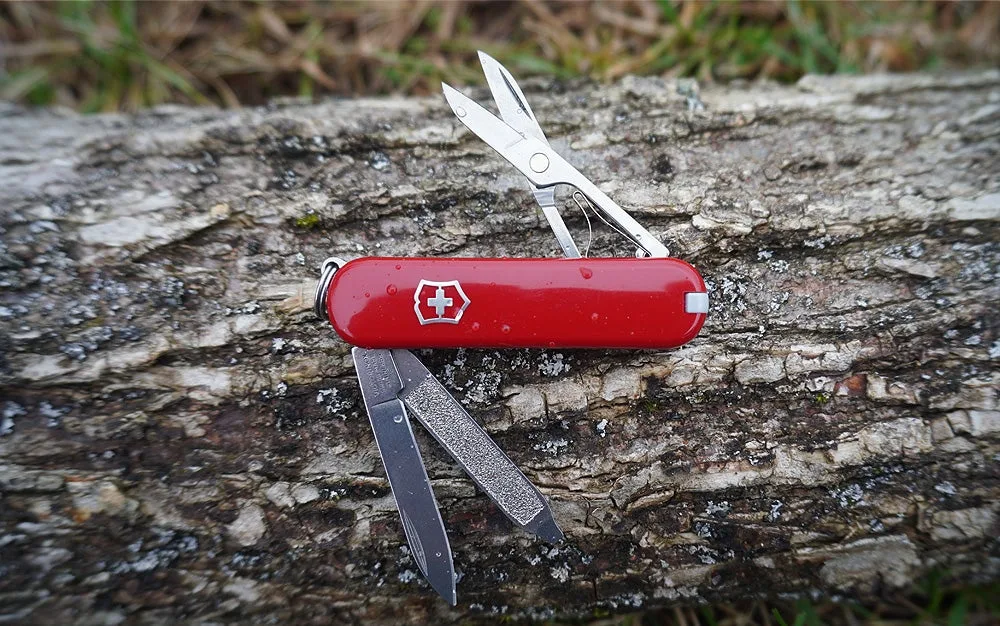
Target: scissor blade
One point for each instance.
(510, 101)
(408, 480)
(498, 134)
(473, 449)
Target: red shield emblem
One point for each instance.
(439, 302)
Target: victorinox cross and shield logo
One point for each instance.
(439, 302)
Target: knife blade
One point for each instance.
(380, 385)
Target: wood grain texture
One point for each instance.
(183, 441)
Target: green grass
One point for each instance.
(124, 55)
(125, 75)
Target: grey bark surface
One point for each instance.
(183, 441)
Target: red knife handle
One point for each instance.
(525, 303)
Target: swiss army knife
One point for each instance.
(384, 306)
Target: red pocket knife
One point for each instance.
(516, 303)
(386, 305)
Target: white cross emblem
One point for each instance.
(439, 302)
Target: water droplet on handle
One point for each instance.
(391, 290)
(586, 272)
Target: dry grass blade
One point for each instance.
(118, 55)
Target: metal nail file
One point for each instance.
(473, 449)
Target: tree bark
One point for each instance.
(183, 441)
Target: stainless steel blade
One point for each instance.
(510, 101)
(473, 449)
(500, 135)
(418, 510)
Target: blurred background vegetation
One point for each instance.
(122, 55)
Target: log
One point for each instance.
(183, 441)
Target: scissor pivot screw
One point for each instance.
(539, 162)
